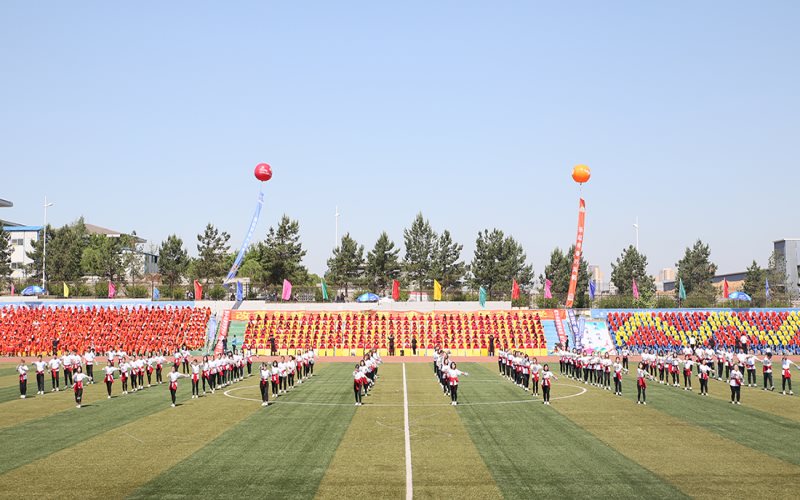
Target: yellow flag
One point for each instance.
(66, 290)
(437, 290)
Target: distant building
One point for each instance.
(787, 249)
(22, 240)
(667, 274)
(600, 283)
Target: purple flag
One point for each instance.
(635, 289)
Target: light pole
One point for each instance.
(44, 247)
(336, 215)
(636, 227)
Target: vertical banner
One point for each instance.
(223, 330)
(562, 335)
(246, 243)
(577, 334)
(576, 257)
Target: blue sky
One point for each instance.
(151, 116)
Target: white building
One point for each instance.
(22, 240)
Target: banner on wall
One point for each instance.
(576, 256)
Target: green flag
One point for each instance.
(324, 291)
(482, 297)
(681, 290)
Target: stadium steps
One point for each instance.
(550, 334)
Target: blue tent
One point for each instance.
(33, 290)
(739, 296)
(368, 297)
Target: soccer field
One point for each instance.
(314, 443)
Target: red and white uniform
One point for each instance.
(23, 372)
(78, 381)
(641, 375)
(173, 379)
(546, 376)
(736, 378)
(109, 373)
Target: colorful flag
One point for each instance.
(156, 294)
(766, 290)
(635, 289)
(395, 290)
(592, 289)
(681, 290)
(112, 290)
(514, 290)
(66, 290)
(239, 291)
(287, 290)
(725, 288)
(437, 290)
(576, 256)
(198, 290)
(547, 293)
(324, 290)
(482, 296)
(12, 289)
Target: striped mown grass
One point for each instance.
(532, 450)
(281, 451)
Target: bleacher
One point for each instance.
(777, 330)
(139, 329)
(342, 333)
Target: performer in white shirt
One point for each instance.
(736, 385)
(40, 366)
(618, 368)
(359, 379)
(66, 362)
(108, 377)
(452, 379)
(706, 371)
(687, 373)
(173, 377)
(266, 374)
(641, 384)
(786, 374)
(195, 379)
(536, 374)
(275, 379)
(766, 364)
(78, 380)
(22, 370)
(547, 375)
(88, 358)
(124, 374)
(55, 381)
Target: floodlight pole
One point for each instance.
(44, 247)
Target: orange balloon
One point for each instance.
(581, 174)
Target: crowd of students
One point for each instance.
(526, 373)
(668, 367)
(136, 372)
(365, 375)
(447, 374)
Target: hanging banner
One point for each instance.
(576, 257)
(247, 238)
(577, 337)
(562, 335)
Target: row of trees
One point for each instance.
(73, 254)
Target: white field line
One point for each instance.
(409, 480)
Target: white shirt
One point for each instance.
(89, 358)
(23, 371)
(40, 366)
(54, 364)
(80, 377)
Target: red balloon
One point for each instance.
(263, 172)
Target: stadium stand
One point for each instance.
(30, 331)
(358, 330)
(669, 329)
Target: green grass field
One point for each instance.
(313, 443)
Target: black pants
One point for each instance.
(751, 375)
(357, 391)
(687, 379)
(124, 384)
(40, 382)
(158, 375)
(535, 386)
(90, 371)
(768, 381)
(526, 377)
(720, 366)
(618, 385)
(195, 387)
(607, 379)
(274, 388)
(79, 395)
(264, 386)
(625, 363)
(311, 368)
(703, 385)
(67, 377)
(641, 393)
(291, 380)
(546, 393)
(141, 379)
(185, 366)
(784, 381)
(249, 367)
(736, 393)
(172, 393)
(283, 383)
(108, 387)
(454, 392)
(54, 379)
(149, 376)
(23, 387)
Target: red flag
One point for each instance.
(395, 290)
(725, 288)
(198, 290)
(514, 290)
(576, 257)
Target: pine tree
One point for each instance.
(5, 257)
(630, 265)
(281, 255)
(755, 281)
(558, 271)
(696, 270)
(498, 260)
(383, 265)
(447, 267)
(420, 242)
(172, 260)
(212, 247)
(346, 266)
